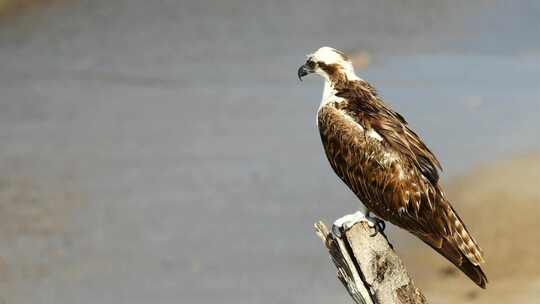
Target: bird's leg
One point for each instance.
(376, 223)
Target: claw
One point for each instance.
(379, 225)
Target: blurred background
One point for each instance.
(165, 152)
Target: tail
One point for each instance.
(459, 248)
(466, 244)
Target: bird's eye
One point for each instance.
(311, 64)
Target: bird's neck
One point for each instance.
(346, 81)
(349, 74)
(329, 93)
(328, 90)
(338, 79)
(341, 78)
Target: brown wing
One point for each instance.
(392, 126)
(390, 183)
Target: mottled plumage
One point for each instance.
(375, 153)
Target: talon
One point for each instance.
(379, 226)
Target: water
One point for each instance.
(182, 130)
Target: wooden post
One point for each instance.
(367, 265)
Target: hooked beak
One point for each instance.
(303, 71)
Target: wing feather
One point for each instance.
(393, 127)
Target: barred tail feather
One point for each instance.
(474, 272)
(452, 253)
(465, 242)
(459, 247)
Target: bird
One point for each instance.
(373, 150)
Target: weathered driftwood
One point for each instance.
(367, 265)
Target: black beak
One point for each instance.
(302, 71)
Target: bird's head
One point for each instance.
(331, 64)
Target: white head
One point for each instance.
(329, 63)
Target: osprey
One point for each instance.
(395, 175)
